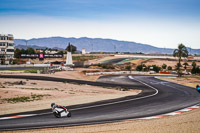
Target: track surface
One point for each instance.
(157, 97)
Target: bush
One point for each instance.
(15, 61)
(198, 70)
(156, 68)
(106, 66)
(169, 68)
(164, 66)
(140, 67)
(195, 70)
(128, 68)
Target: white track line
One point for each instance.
(156, 92)
(144, 118)
(16, 116)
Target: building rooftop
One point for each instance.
(9, 35)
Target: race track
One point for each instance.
(157, 97)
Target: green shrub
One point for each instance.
(128, 67)
(156, 68)
(195, 70)
(32, 70)
(169, 68)
(17, 99)
(164, 66)
(140, 67)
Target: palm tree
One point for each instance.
(180, 52)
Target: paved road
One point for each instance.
(157, 97)
(113, 61)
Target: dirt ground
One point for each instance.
(187, 80)
(75, 74)
(184, 123)
(172, 63)
(48, 92)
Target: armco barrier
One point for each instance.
(11, 72)
(163, 72)
(41, 65)
(26, 65)
(117, 72)
(148, 56)
(22, 65)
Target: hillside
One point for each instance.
(95, 45)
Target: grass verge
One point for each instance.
(24, 98)
(34, 70)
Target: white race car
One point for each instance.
(60, 111)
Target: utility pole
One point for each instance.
(92, 47)
(26, 44)
(115, 48)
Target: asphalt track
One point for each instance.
(157, 97)
(113, 61)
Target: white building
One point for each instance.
(6, 48)
(83, 51)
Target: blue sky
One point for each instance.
(162, 23)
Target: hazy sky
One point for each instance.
(161, 23)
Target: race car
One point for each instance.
(60, 111)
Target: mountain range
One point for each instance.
(95, 45)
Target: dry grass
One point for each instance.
(187, 80)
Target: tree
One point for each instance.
(140, 67)
(194, 68)
(71, 48)
(30, 51)
(197, 70)
(156, 68)
(169, 68)
(17, 53)
(178, 65)
(185, 65)
(180, 52)
(164, 66)
(194, 64)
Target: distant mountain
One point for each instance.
(96, 45)
(30, 46)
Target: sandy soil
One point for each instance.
(60, 93)
(75, 74)
(160, 62)
(184, 123)
(187, 80)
